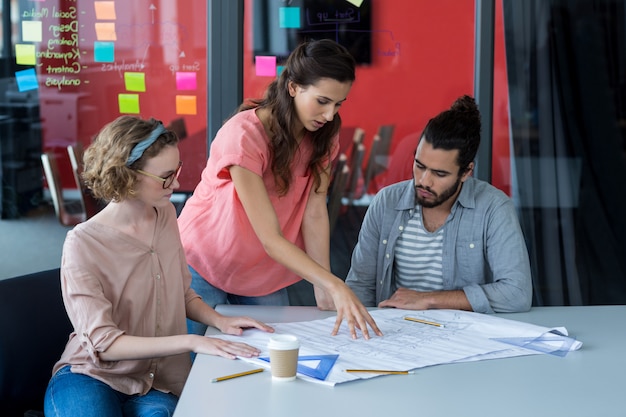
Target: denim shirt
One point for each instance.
(484, 252)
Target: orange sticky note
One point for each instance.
(105, 31)
(186, 105)
(105, 10)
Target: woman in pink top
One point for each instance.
(126, 286)
(258, 220)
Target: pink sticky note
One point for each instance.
(265, 66)
(186, 81)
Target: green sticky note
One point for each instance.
(129, 103)
(25, 54)
(135, 81)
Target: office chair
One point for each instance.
(356, 173)
(69, 214)
(91, 205)
(349, 138)
(402, 159)
(335, 196)
(34, 328)
(378, 160)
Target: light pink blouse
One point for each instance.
(217, 236)
(113, 284)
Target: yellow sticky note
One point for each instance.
(31, 31)
(186, 105)
(357, 3)
(105, 31)
(105, 10)
(129, 103)
(135, 81)
(25, 54)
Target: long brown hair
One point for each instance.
(305, 66)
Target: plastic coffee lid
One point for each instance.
(283, 342)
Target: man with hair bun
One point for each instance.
(443, 240)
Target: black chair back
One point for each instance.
(34, 329)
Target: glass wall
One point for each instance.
(567, 84)
(71, 66)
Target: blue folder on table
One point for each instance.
(326, 362)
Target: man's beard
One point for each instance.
(439, 198)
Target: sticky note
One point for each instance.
(26, 80)
(105, 31)
(104, 51)
(186, 81)
(135, 81)
(25, 54)
(105, 10)
(265, 66)
(129, 103)
(186, 105)
(289, 17)
(357, 3)
(31, 31)
(279, 70)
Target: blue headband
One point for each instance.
(139, 148)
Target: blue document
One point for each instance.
(326, 362)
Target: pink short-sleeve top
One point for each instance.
(217, 236)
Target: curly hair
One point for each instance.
(105, 171)
(456, 128)
(305, 66)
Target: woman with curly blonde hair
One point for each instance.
(126, 285)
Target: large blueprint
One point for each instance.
(407, 345)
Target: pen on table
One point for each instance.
(380, 371)
(237, 375)
(432, 323)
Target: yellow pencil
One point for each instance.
(224, 378)
(380, 371)
(432, 323)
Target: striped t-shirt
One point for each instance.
(418, 256)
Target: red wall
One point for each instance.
(423, 59)
(501, 166)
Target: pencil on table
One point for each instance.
(237, 375)
(380, 371)
(432, 323)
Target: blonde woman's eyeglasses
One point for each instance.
(167, 181)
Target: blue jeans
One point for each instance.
(77, 395)
(214, 296)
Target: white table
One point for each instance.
(585, 383)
